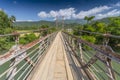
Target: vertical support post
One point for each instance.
(70, 40)
(47, 42)
(56, 21)
(63, 22)
(15, 48)
(110, 72)
(40, 47)
(43, 45)
(81, 52)
(73, 44)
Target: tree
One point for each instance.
(99, 27)
(5, 28)
(114, 29)
(76, 30)
(44, 29)
(6, 22)
(89, 18)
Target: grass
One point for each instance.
(22, 35)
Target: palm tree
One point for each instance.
(89, 18)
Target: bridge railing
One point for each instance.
(99, 62)
(17, 64)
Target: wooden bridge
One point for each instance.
(60, 56)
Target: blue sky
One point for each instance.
(30, 10)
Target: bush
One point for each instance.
(27, 38)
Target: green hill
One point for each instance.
(34, 23)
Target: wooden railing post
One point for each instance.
(11, 73)
(110, 72)
(81, 52)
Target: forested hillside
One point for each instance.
(34, 23)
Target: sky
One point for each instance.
(35, 10)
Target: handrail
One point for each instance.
(31, 53)
(109, 54)
(88, 55)
(104, 35)
(18, 33)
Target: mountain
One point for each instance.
(34, 23)
(53, 23)
(105, 20)
(49, 23)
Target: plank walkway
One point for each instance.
(55, 65)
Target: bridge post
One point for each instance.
(13, 65)
(70, 40)
(73, 44)
(11, 73)
(110, 72)
(47, 42)
(81, 52)
(109, 69)
(107, 48)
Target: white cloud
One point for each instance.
(114, 12)
(68, 13)
(43, 14)
(53, 13)
(93, 11)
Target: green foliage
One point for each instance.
(89, 38)
(89, 28)
(53, 30)
(99, 27)
(27, 38)
(44, 32)
(76, 30)
(112, 27)
(32, 25)
(45, 29)
(6, 26)
(89, 18)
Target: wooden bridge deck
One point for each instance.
(55, 65)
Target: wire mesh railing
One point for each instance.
(99, 62)
(18, 63)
